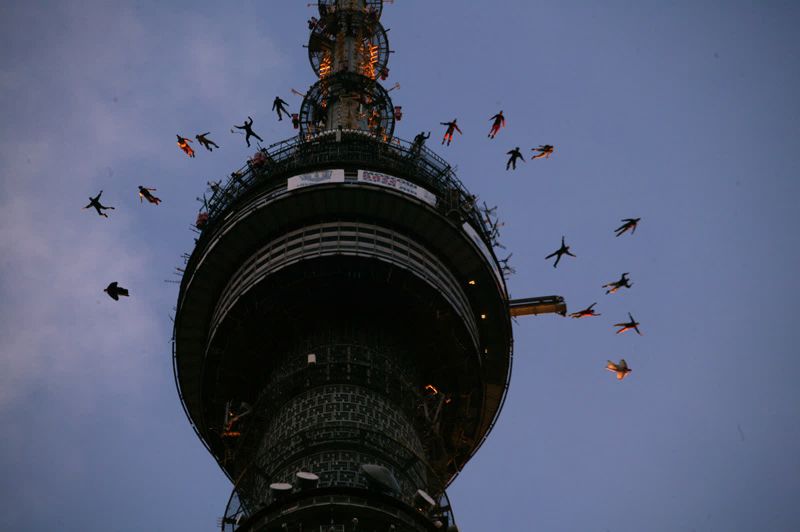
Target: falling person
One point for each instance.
(627, 326)
(623, 282)
(563, 250)
(629, 224)
(183, 144)
(512, 161)
(545, 151)
(248, 129)
(144, 193)
(585, 313)
(207, 143)
(451, 126)
(99, 207)
(278, 105)
(114, 291)
(621, 368)
(499, 121)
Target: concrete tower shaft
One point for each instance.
(342, 335)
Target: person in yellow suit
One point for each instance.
(183, 144)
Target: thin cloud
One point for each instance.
(56, 259)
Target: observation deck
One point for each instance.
(393, 225)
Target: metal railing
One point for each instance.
(353, 149)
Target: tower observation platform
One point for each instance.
(342, 340)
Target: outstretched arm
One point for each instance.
(459, 131)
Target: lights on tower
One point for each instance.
(325, 66)
(369, 66)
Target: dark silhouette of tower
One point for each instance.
(342, 336)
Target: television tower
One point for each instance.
(342, 339)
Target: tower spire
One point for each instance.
(349, 52)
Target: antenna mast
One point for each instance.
(348, 51)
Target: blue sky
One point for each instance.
(683, 113)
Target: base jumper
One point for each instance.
(248, 129)
(419, 141)
(95, 202)
(207, 143)
(183, 144)
(585, 313)
(499, 121)
(616, 285)
(545, 151)
(621, 368)
(630, 224)
(512, 161)
(114, 291)
(278, 107)
(627, 326)
(563, 250)
(144, 193)
(451, 126)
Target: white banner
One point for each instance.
(315, 178)
(397, 183)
